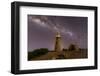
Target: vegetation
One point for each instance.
(65, 49)
(37, 53)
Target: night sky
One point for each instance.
(42, 31)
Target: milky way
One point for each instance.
(42, 30)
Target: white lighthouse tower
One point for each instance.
(58, 46)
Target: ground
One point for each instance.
(52, 55)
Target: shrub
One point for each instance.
(65, 49)
(37, 52)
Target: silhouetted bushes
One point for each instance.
(37, 52)
(65, 49)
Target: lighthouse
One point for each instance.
(58, 46)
